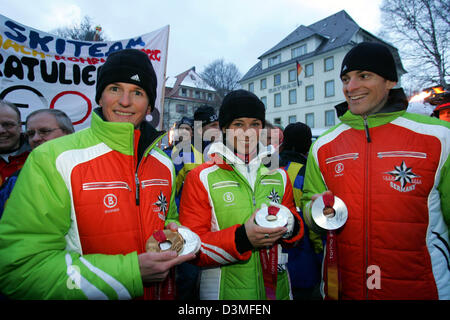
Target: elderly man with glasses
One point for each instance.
(14, 148)
(41, 125)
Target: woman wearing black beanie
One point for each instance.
(219, 202)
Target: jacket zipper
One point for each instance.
(136, 180)
(366, 207)
(136, 177)
(366, 129)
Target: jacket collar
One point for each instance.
(218, 149)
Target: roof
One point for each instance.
(188, 78)
(334, 31)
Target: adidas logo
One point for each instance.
(344, 68)
(135, 78)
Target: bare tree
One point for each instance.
(85, 31)
(420, 29)
(224, 77)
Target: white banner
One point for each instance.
(39, 70)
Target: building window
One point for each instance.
(299, 51)
(309, 70)
(329, 118)
(292, 75)
(263, 83)
(277, 79)
(264, 100)
(181, 108)
(209, 96)
(277, 100)
(293, 96)
(329, 88)
(274, 60)
(197, 94)
(328, 63)
(292, 119)
(309, 93)
(277, 121)
(183, 92)
(309, 120)
(251, 87)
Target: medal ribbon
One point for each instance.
(269, 262)
(332, 266)
(331, 256)
(166, 289)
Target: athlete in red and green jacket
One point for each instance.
(392, 170)
(84, 205)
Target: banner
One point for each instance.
(39, 70)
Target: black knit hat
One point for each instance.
(130, 66)
(373, 57)
(186, 120)
(297, 137)
(206, 114)
(241, 103)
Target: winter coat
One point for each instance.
(392, 171)
(81, 211)
(218, 198)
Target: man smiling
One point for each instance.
(98, 195)
(392, 171)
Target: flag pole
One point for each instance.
(164, 83)
(163, 89)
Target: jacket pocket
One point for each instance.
(154, 182)
(346, 156)
(106, 185)
(401, 154)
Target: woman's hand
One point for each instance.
(261, 237)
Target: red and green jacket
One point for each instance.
(392, 170)
(81, 211)
(217, 200)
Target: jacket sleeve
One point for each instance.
(218, 246)
(444, 191)
(313, 184)
(35, 262)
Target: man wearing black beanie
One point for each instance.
(98, 196)
(391, 169)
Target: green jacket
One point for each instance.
(217, 199)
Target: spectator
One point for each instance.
(14, 149)
(305, 258)
(209, 129)
(41, 125)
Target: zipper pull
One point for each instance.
(136, 179)
(366, 129)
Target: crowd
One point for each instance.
(78, 208)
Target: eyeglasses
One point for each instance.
(42, 132)
(8, 125)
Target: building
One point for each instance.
(311, 95)
(184, 94)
